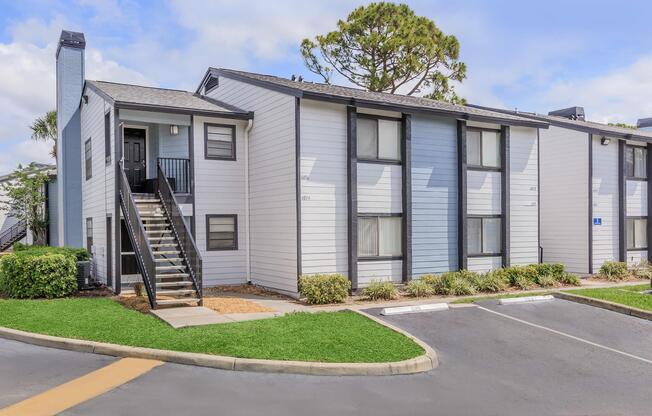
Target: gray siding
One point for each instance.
(272, 188)
(564, 198)
(379, 188)
(220, 189)
(605, 202)
(483, 192)
(379, 270)
(523, 195)
(434, 195)
(324, 235)
(53, 211)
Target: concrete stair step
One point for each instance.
(173, 284)
(179, 301)
(176, 292)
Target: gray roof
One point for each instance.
(582, 125)
(356, 96)
(137, 96)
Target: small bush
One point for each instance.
(546, 280)
(642, 270)
(522, 277)
(419, 288)
(493, 281)
(80, 254)
(452, 284)
(376, 290)
(138, 289)
(614, 270)
(25, 275)
(554, 270)
(430, 279)
(522, 282)
(569, 279)
(324, 288)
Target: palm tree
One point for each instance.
(45, 128)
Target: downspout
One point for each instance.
(250, 124)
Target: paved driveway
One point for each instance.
(554, 358)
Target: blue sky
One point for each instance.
(533, 56)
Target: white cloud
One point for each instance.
(622, 95)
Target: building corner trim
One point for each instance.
(297, 168)
(352, 193)
(461, 196)
(505, 193)
(406, 202)
(622, 203)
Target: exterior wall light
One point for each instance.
(605, 141)
(174, 129)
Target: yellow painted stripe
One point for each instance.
(81, 389)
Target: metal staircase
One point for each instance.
(13, 234)
(167, 256)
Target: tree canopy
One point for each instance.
(386, 47)
(45, 128)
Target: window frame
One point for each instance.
(377, 159)
(107, 137)
(482, 167)
(89, 236)
(233, 156)
(633, 177)
(377, 216)
(88, 159)
(500, 236)
(235, 232)
(627, 248)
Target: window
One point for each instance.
(484, 236)
(636, 233)
(379, 236)
(219, 141)
(107, 137)
(636, 162)
(88, 159)
(379, 139)
(483, 148)
(221, 232)
(89, 234)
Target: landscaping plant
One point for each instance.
(493, 281)
(641, 270)
(25, 275)
(380, 290)
(419, 288)
(614, 271)
(319, 289)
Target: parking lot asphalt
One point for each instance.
(553, 358)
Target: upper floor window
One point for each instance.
(483, 148)
(107, 137)
(88, 159)
(636, 162)
(219, 141)
(379, 139)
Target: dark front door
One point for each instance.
(134, 158)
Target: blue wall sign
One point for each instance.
(597, 221)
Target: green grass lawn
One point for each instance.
(326, 336)
(504, 295)
(625, 295)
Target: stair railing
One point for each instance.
(181, 231)
(13, 234)
(138, 237)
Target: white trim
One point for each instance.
(139, 127)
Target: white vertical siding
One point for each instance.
(220, 189)
(523, 196)
(379, 188)
(434, 195)
(324, 226)
(483, 193)
(273, 214)
(484, 264)
(564, 178)
(636, 198)
(98, 192)
(605, 202)
(381, 270)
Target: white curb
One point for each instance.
(431, 307)
(525, 299)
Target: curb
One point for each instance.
(420, 364)
(605, 304)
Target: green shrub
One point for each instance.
(523, 282)
(419, 288)
(569, 279)
(522, 277)
(554, 270)
(641, 270)
(546, 280)
(324, 288)
(493, 281)
(614, 270)
(452, 284)
(430, 279)
(25, 275)
(80, 254)
(376, 290)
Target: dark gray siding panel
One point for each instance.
(434, 195)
